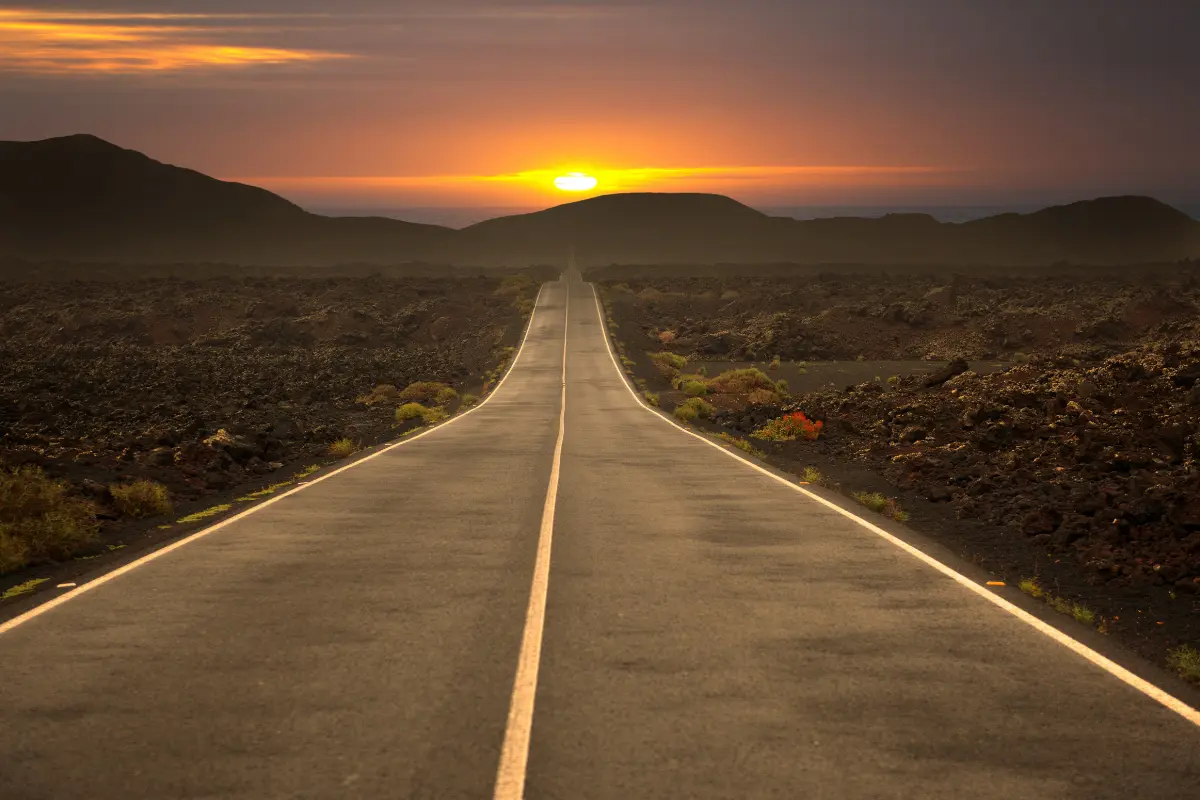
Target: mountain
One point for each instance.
(81, 198)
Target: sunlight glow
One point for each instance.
(575, 182)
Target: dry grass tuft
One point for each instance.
(141, 498)
(39, 521)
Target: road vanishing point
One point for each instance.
(563, 594)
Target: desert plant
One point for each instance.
(702, 371)
(742, 444)
(694, 388)
(23, 588)
(762, 397)
(421, 392)
(383, 393)
(740, 381)
(693, 408)
(445, 396)
(141, 498)
(872, 500)
(410, 411)
(39, 520)
(666, 337)
(1185, 659)
(432, 416)
(342, 448)
(651, 398)
(812, 475)
(208, 512)
(774, 363)
(781, 386)
(469, 400)
(790, 427)
(666, 360)
(514, 285)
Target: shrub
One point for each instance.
(524, 306)
(781, 386)
(812, 475)
(1186, 661)
(694, 388)
(774, 363)
(39, 520)
(740, 381)
(790, 427)
(762, 397)
(665, 360)
(410, 411)
(872, 500)
(692, 408)
(23, 588)
(741, 444)
(421, 392)
(702, 371)
(383, 393)
(432, 416)
(342, 448)
(651, 398)
(469, 400)
(141, 498)
(446, 396)
(666, 337)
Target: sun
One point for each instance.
(575, 182)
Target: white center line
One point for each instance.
(514, 755)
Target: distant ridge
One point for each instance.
(81, 198)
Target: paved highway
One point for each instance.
(561, 595)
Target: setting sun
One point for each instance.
(575, 182)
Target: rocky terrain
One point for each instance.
(1077, 467)
(215, 384)
(819, 314)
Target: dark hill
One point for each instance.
(81, 198)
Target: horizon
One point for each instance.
(993, 104)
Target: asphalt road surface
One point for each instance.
(692, 627)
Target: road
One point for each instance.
(687, 626)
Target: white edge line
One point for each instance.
(1107, 664)
(514, 752)
(116, 573)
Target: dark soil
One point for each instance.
(219, 385)
(1080, 468)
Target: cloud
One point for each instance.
(75, 42)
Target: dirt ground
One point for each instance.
(224, 383)
(1064, 447)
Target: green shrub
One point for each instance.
(702, 371)
(664, 360)
(893, 380)
(781, 386)
(740, 381)
(694, 388)
(410, 411)
(693, 407)
(469, 400)
(741, 444)
(421, 392)
(1186, 661)
(812, 475)
(39, 521)
(383, 393)
(23, 588)
(651, 398)
(342, 448)
(446, 396)
(141, 498)
(872, 500)
(432, 416)
(789, 428)
(763, 397)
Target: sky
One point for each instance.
(485, 102)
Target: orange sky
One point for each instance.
(483, 102)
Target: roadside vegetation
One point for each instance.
(342, 448)
(693, 408)
(1079, 611)
(875, 501)
(141, 498)
(789, 428)
(1185, 660)
(742, 444)
(39, 520)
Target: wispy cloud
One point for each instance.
(78, 42)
